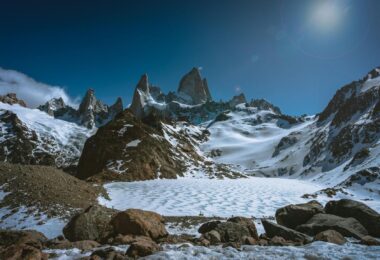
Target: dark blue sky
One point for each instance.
(294, 53)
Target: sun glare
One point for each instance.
(326, 16)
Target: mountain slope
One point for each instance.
(30, 136)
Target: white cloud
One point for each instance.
(32, 92)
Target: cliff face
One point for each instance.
(193, 89)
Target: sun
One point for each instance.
(326, 16)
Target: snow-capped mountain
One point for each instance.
(339, 147)
(167, 136)
(54, 134)
(30, 136)
(91, 112)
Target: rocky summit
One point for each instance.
(91, 112)
(193, 89)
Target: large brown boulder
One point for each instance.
(348, 227)
(273, 229)
(331, 236)
(346, 208)
(140, 223)
(92, 224)
(20, 245)
(22, 252)
(292, 216)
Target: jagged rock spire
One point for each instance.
(193, 88)
(117, 107)
(139, 96)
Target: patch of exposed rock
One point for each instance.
(11, 99)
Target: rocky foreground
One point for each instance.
(97, 230)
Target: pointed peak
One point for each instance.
(143, 83)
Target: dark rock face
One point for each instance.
(330, 236)
(92, 224)
(346, 208)
(362, 177)
(272, 230)
(140, 96)
(193, 89)
(285, 143)
(12, 99)
(349, 122)
(20, 143)
(140, 223)
(292, 216)
(262, 104)
(348, 227)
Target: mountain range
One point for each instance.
(187, 133)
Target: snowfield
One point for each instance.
(253, 196)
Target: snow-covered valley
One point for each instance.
(254, 196)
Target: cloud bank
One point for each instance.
(32, 92)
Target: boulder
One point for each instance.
(370, 241)
(232, 232)
(143, 248)
(330, 236)
(346, 208)
(139, 222)
(348, 227)
(213, 236)
(246, 222)
(273, 229)
(27, 237)
(91, 224)
(22, 252)
(292, 216)
(208, 226)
